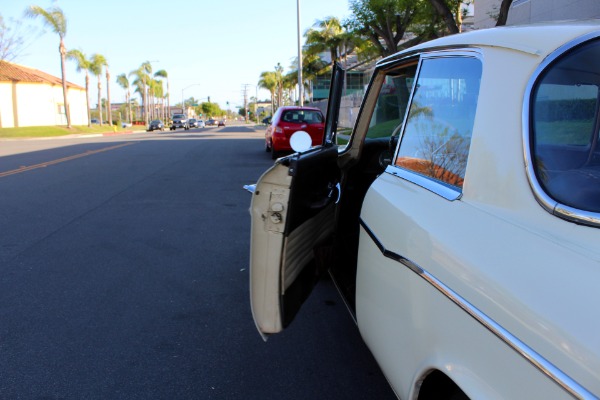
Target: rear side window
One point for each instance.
(303, 117)
(438, 129)
(564, 123)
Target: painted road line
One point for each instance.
(60, 160)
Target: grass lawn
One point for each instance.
(576, 132)
(50, 131)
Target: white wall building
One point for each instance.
(29, 97)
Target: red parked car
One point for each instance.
(290, 119)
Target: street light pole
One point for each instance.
(300, 83)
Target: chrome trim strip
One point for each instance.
(430, 184)
(543, 365)
(547, 202)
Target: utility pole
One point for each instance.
(300, 83)
(245, 91)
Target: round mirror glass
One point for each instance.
(300, 141)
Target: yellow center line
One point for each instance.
(45, 164)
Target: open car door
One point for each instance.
(292, 214)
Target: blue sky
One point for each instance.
(208, 48)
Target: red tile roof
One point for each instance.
(18, 73)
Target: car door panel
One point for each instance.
(293, 214)
(292, 217)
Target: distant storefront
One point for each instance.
(29, 97)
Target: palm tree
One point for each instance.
(108, 105)
(163, 74)
(83, 64)
(329, 37)
(152, 95)
(142, 74)
(289, 82)
(268, 81)
(124, 83)
(279, 79)
(159, 95)
(55, 19)
(97, 63)
(312, 66)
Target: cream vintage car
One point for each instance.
(460, 220)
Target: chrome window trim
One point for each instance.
(544, 199)
(537, 360)
(445, 191)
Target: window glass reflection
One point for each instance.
(438, 131)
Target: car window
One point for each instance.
(302, 116)
(565, 123)
(392, 103)
(437, 133)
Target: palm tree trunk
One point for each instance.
(145, 100)
(129, 103)
(63, 52)
(272, 102)
(99, 100)
(87, 98)
(168, 99)
(108, 106)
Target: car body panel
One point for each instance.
(552, 261)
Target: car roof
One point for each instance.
(286, 108)
(536, 39)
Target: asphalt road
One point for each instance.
(124, 275)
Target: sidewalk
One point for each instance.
(73, 136)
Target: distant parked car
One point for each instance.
(266, 120)
(193, 123)
(211, 122)
(221, 123)
(95, 121)
(201, 124)
(290, 119)
(155, 125)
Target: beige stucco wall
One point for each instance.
(483, 11)
(39, 104)
(524, 12)
(531, 11)
(6, 106)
